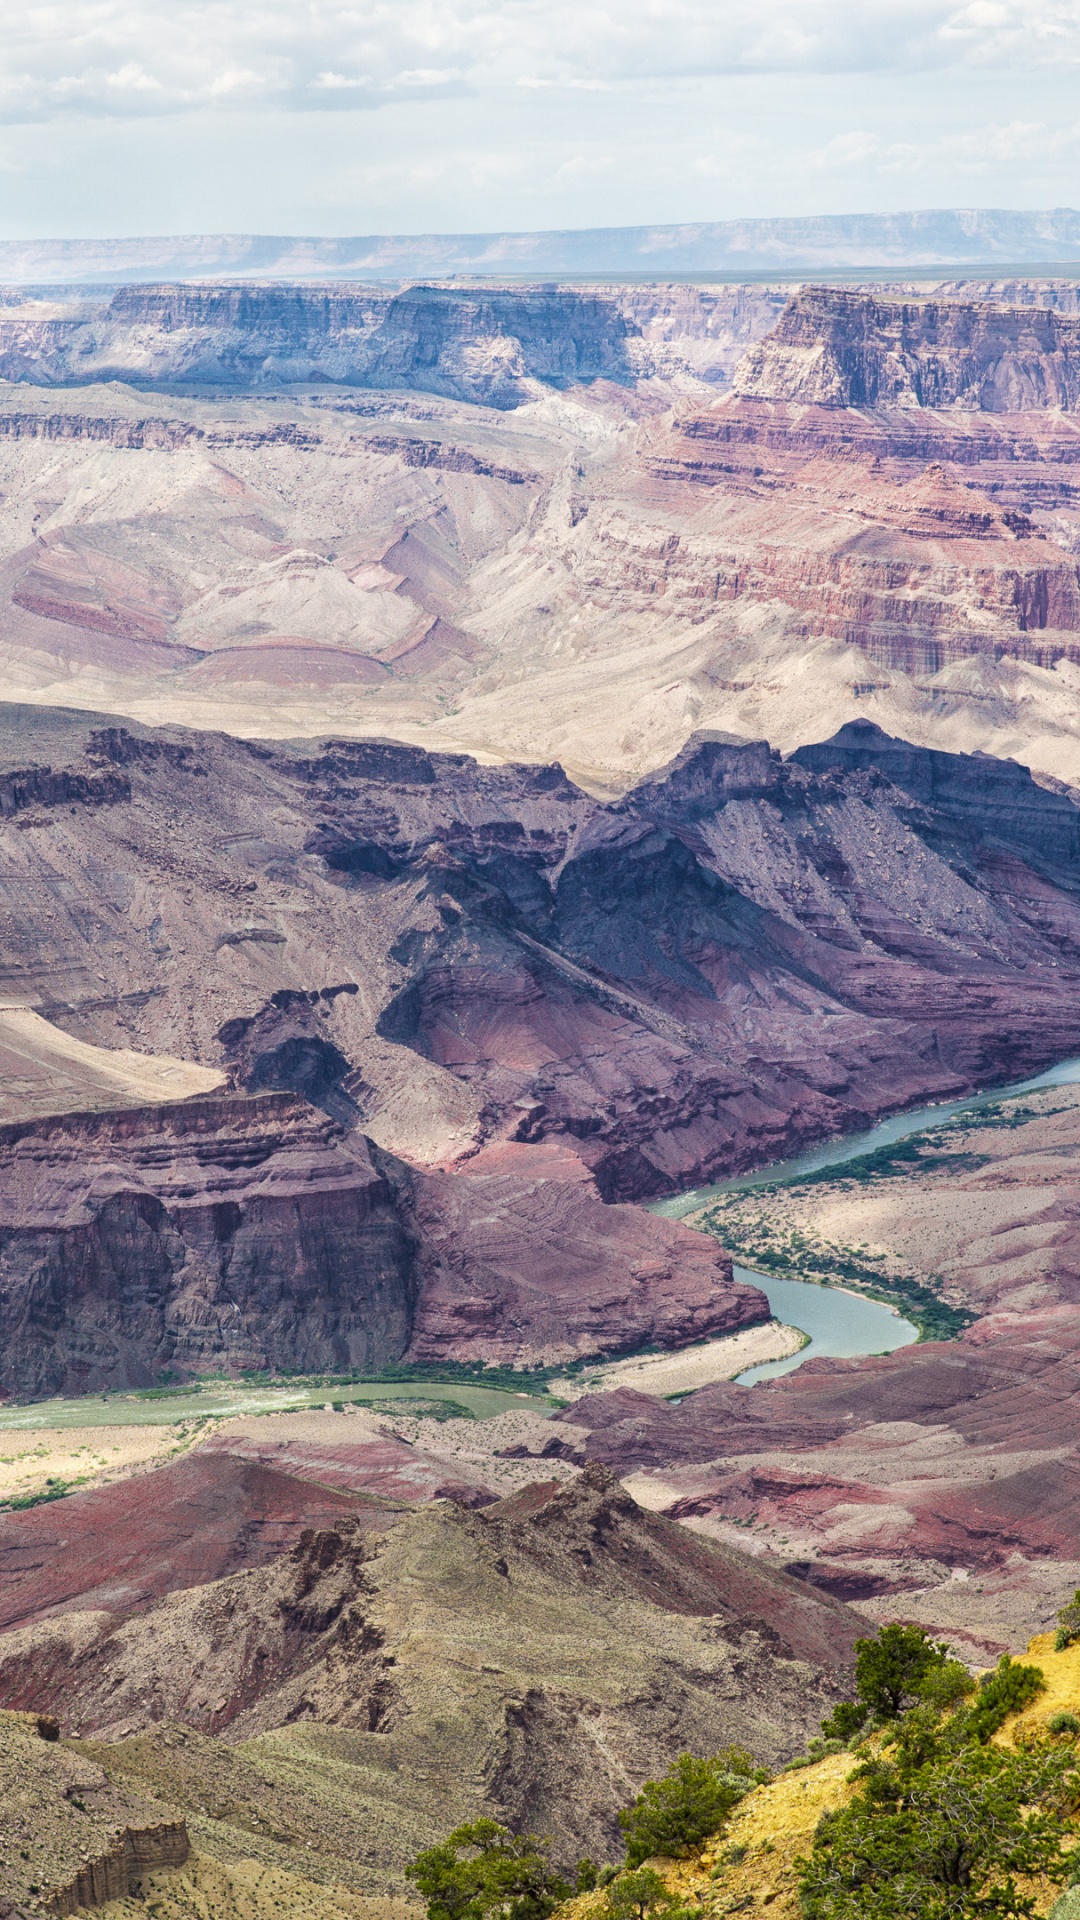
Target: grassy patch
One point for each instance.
(54, 1489)
(532, 1380)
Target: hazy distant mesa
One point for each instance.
(953, 238)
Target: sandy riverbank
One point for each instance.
(664, 1374)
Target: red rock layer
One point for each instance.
(917, 539)
(523, 1262)
(124, 1546)
(887, 1476)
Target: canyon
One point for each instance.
(552, 522)
(478, 760)
(460, 1018)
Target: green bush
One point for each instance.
(894, 1671)
(1068, 1623)
(892, 1668)
(942, 1831)
(634, 1896)
(1063, 1723)
(481, 1871)
(846, 1720)
(1008, 1689)
(674, 1815)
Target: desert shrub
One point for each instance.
(673, 1815)
(846, 1720)
(941, 1831)
(1068, 1623)
(481, 1871)
(1008, 1689)
(635, 1896)
(1063, 1723)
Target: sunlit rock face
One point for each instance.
(550, 522)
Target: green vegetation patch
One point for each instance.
(944, 1823)
(53, 1489)
(792, 1254)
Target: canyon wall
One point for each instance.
(485, 345)
(840, 348)
(209, 1235)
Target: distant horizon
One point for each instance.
(483, 233)
(934, 241)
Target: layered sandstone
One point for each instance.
(522, 1262)
(201, 1235)
(839, 348)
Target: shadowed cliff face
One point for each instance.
(213, 1234)
(535, 1001)
(483, 346)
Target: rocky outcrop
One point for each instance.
(539, 1000)
(71, 1838)
(210, 1233)
(837, 348)
(759, 952)
(41, 787)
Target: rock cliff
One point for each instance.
(759, 951)
(838, 348)
(71, 1837)
(204, 1235)
(485, 346)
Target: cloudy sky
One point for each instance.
(365, 116)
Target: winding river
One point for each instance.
(840, 1323)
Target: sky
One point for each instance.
(342, 117)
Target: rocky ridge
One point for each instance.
(461, 1663)
(486, 345)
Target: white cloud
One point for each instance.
(978, 150)
(133, 57)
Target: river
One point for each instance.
(840, 1323)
